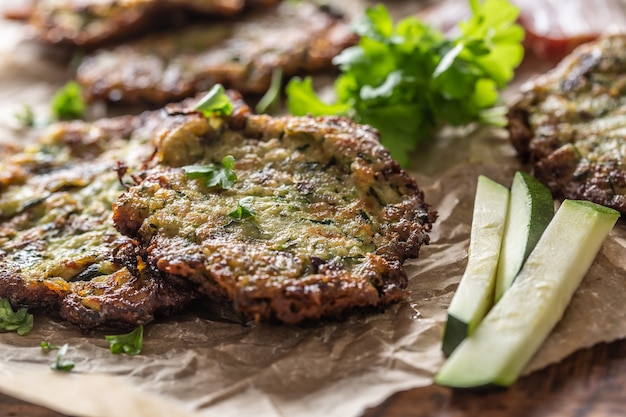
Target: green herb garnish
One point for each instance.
(26, 116)
(20, 321)
(271, 99)
(408, 79)
(215, 103)
(60, 364)
(47, 346)
(213, 175)
(129, 343)
(243, 210)
(68, 102)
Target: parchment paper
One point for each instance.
(202, 364)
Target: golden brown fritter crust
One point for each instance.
(295, 37)
(570, 124)
(334, 216)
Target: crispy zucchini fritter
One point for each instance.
(318, 222)
(570, 124)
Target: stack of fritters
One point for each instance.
(570, 124)
(331, 218)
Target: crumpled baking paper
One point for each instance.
(202, 363)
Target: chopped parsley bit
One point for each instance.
(60, 364)
(213, 176)
(47, 346)
(129, 343)
(243, 210)
(409, 79)
(68, 102)
(26, 116)
(215, 103)
(271, 99)
(21, 320)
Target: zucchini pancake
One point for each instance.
(570, 124)
(286, 219)
(59, 250)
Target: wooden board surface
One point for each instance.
(589, 383)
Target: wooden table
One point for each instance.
(589, 383)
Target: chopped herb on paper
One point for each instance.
(129, 343)
(47, 346)
(20, 321)
(61, 364)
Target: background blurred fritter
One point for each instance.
(89, 23)
(570, 124)
(296, 37)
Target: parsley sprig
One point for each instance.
(61, 364)
(68, 102)
(213, 175)
(215, 103)
(20, 321)
(408, 79)
(47, 346)
(243, 210)
(129, 343)
(270, 102)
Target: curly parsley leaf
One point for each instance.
(68, 102)
(215, 103)
(213, 175)
(243, 210)
(129, 343)
(408, 79)
(61, 364)
(20, 321)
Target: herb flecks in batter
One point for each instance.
(243, 210)
(213, 175)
